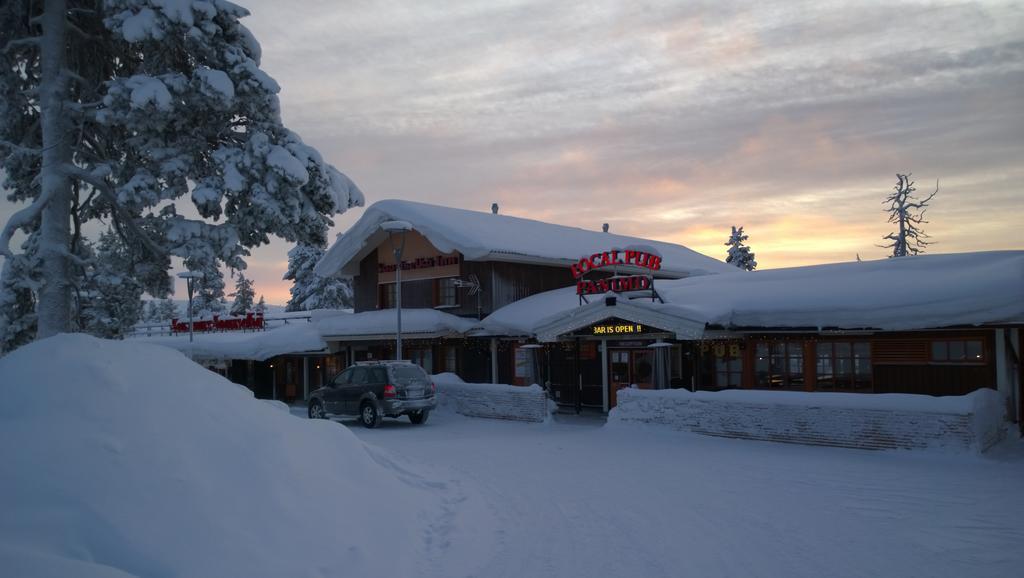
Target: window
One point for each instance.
(958, 351)
(386, 296)
(843, 365)
(446, 294)
(728, 371)
(780, 364)
(358, 376)
(451, 359)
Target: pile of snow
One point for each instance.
(972, 422)
(480, 236)
(491, 400)
(123, 458)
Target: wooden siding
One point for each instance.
(364, 285)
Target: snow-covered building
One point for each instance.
(502, 299)
(554, 305)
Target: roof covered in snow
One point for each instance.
(480, 236)
(299, 337)
(418, 323)
(926, 291)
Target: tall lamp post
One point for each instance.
(190, 278)
(392, 228)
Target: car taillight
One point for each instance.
(433, 388)
(389, 391)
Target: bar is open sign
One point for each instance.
(617, 329)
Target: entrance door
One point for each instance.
(629, 367)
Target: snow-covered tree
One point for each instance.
(166, 309)
(908, 215)
(19, 284)
(244, 295)
(309, 290)
(739, 254)
(208, 297)
(124, 110)
(109, 301)
(261, 306)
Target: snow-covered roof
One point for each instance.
(299, 337)
(926, 291)
(419, 323)
(480, 236)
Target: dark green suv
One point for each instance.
(374, 389)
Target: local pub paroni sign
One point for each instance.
(616, 283)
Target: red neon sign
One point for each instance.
(616, 257)
(613, 284)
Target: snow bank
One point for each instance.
(971, 422)
(123, 458)
(491, 400)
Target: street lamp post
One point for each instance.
(400, 227)
(190, 278)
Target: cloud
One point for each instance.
(667, 119)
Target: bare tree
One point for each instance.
(908, 214)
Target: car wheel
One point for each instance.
(369, 415)
(419, 417)
(316, 410)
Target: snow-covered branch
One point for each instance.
(23, 218)
(105, 192)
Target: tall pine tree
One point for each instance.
(244, 295)
(739, 254)
(124, 110)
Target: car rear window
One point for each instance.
(408, 374)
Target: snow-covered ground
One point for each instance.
(125, 459)
(576, 498)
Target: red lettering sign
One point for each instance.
(614, 257)
(613, 284)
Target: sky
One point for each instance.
(667, 120)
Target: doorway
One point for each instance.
(629, 367)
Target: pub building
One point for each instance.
(502, 299)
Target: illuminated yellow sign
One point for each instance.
(617, 329)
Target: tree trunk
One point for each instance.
(54, 307)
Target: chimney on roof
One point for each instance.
(494, 208)
(604, 227)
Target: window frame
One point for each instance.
(441, 287)
(851, 357)
(386, 295)
(792, 349)
(963, 341)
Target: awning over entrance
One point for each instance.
(663, 316)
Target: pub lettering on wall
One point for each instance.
(615, 284)
(420, 263)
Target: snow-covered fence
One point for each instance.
(971, 422)
(491, 400)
